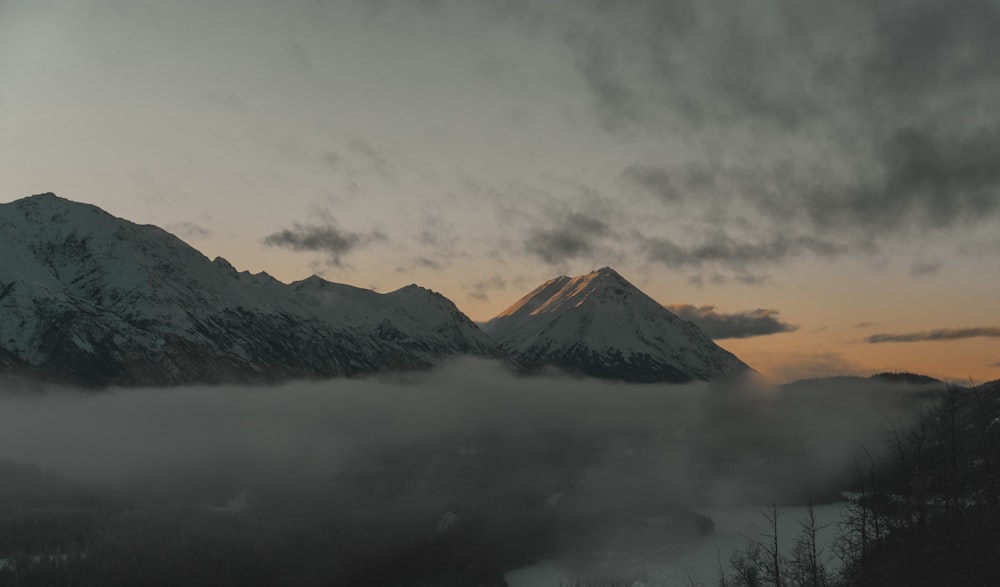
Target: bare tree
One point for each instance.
(805, 569)
(760, 564)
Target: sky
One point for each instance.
(817, 183)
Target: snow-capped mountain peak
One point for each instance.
(600, 324)
(564, 292)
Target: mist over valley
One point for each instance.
(456, 474)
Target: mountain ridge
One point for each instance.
(98, 300)
(92, 299)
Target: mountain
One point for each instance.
(601, 325)
(92, 299)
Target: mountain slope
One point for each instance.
(93, 299)
(601, 325)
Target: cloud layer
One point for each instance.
(797, 126)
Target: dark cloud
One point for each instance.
(717, 325)
(924, 177)
(726, 251)
(922, 47)
(327, 239)
(866, 325)
(884, 132)
(575, 236)
(940, 334)
(923, 268)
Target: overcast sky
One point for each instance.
(817, 182)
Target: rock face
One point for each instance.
(92, 299)
(601, 325)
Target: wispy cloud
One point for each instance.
(189, 230)
(718, 325)
(940, 334)
(726, 251)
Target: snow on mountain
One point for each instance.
(95, 299)
(411, 317)
(601, 325)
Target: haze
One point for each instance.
(471, 437)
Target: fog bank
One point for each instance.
(724, 442)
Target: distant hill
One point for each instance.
(911, 378)
(846, 383)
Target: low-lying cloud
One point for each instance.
(717, 325)
(685, 441)
(939, 334)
